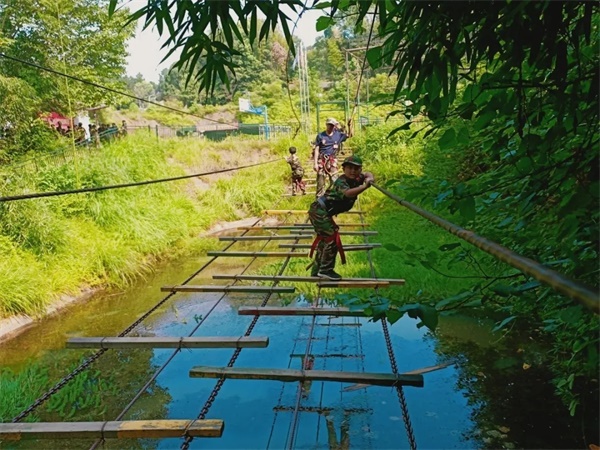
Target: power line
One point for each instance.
(118, 186)
(115, 91)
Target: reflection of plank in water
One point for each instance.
(320, 410)
(330, 355)
(412, 372)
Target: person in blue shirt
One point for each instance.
(327, 146)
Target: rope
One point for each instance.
(557, 281)
(115, 91)
(118, 186)
(364, 60)
(85, 364)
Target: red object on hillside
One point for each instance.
(53, 118)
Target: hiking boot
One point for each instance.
(330, 274)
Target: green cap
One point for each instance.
(354, 160)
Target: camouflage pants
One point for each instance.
(326, 167)
(325, 228)
(298, 185)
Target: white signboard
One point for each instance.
(244, 104)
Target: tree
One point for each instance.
(512, 85)
(77, 38)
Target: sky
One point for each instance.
(145, 54)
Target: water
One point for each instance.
(473, 403)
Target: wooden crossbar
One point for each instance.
(273, 212)
(298, 226)
(260, 254)
(347, 247)
(342, 233)
(289, 311)
(287, 237)
(288, 375)
(299, 279)
(341, 225)
(299, 195)
(168, 342)
(352, 284)
(140, 429)
(227, 288)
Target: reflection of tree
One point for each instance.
(101, 393)
(512, 396)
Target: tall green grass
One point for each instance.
(57, 245)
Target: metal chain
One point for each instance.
(84, 365)
(388, 343)
(213, 395)
(407, 424)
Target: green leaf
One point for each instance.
(392, 247)
(504, 323)
(448, 139)
(393, 315)
(323, 23)
(467, 208)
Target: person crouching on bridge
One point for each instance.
(338, 198)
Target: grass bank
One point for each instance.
(54, 246)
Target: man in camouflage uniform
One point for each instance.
(297, 172)
(327, 146)
(339, 198)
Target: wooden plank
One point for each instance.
(228, 288)
(155, 429)
(289, 311)
(273, 212)
(290, 375)
(298, 195)
(260, 254)
(355, 387)
(353, 284)
(300, 279)
(298, 226)
(342, 233)
(169, 342)
(341, 225)
(347, 247)
(287, 237)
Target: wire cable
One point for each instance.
(106, 88)
(118, 186)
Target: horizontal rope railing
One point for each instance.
(118, 186)
(560, 283)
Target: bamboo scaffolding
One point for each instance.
(228, 288)
(290, 375)
(134, 429)
(168, 342)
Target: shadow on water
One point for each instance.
(485, 399)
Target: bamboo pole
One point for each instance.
(229, 288)
(289, 311)
(260, 254)
(169, 342)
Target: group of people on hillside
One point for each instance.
(339, 197)
(95, 133)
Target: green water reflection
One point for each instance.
(485, 399)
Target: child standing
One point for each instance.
(339, 198)
(297, 172)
